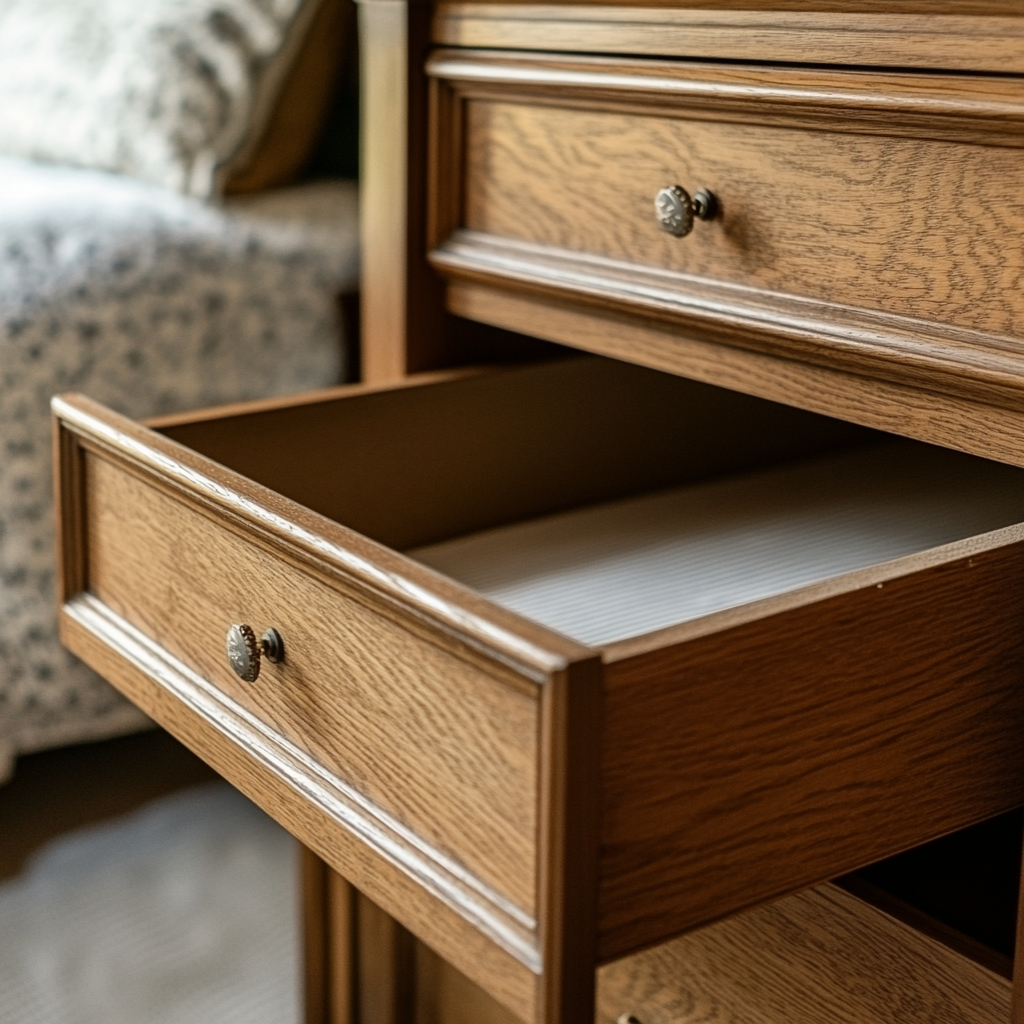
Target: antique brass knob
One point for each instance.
(627, 1018)
(675, 209)
(245, 651)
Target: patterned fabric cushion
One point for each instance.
(174, 92)
(150, 302)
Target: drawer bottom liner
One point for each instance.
(620, 569)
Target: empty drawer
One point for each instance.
(576, 656)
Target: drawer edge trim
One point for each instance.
(861, 38)
(495, 916)
(188, 474)
(972, 364)
(858, 102)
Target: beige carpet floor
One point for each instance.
(185, 912)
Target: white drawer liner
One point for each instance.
(616, 570)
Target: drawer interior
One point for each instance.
(605, 500)
(620, 569)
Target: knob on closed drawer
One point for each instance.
(245, 651)
(674, 209)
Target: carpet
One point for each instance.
(185, 912)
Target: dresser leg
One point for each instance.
(385, 967)
(313, 874)
(328, 944)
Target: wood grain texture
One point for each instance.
(909, 227)
(985, 110)
(403, 321)
(971, 426)
(277, 778)
(446, 751)
(965, 945)
(985, 37)
(800, 746)
(881, 256)
(460, 453)
(570, 808)
(821, 957)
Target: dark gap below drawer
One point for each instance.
(961, 889)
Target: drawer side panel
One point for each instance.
(749, 763)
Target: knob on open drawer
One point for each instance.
(245, 651)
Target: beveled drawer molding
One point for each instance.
(529, 805)
(872, 34)
(864, 222)
(162, 543)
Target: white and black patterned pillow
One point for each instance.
(174, 92)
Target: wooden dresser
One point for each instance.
(783, 227)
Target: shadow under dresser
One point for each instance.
(574, 667)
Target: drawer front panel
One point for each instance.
(913, 227)
(861, 222)
(448, 751)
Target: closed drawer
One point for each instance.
(861, 219)
(681, 650)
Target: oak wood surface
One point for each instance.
(819, 957)
(402, 303)
(271, 775)
(847, 219)
(783, 751)
(445, 750)
(954, 422)
(459, 453)
(881, 256)
(450, 756)
(967, 36)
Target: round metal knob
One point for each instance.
(675, 209)
(245, 651)
(627, 1018)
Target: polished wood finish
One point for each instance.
(985, 36)
(402, 303)
(273, 775)
(820, 957)
(782, 775)
(544, 171)
(947, 420)
(524, 804)
(443, 455)
(441, 748)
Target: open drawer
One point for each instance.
(731, 649)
